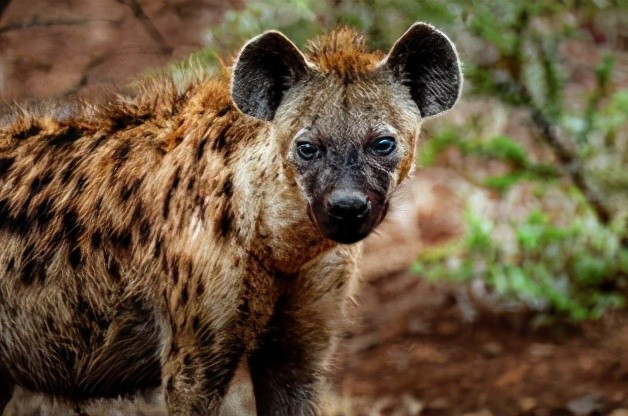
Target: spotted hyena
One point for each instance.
(161, 238)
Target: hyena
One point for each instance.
(159, 239)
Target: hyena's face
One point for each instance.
(348, 122)
(355, 142)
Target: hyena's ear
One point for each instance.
(266, 67)
(426, 61)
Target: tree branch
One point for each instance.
(571, 164)
(139, 13)
(37, 22)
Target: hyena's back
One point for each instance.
(82, 226)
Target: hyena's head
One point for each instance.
(347, 120)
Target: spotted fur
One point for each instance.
(163, 236)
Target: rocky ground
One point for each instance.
(415, 348)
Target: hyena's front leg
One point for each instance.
(289, 366)
(198, 371)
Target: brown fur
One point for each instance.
(157, 239)
(343, 52)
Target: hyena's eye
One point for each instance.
(307, 151)
(383, 146)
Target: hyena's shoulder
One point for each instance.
(85, 176)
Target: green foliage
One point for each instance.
(502, 148)
(297, 18)
(572, 271)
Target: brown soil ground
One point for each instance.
(415, 347)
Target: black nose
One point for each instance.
(347, 204)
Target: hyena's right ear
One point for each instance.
(266, 67)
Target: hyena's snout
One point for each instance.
(349, 214)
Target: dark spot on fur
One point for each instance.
(31, 131)
(174, 348)
(164, 264)
(175, 274)
(177, 140)
(191, 183)
(200, 149)
(51, 323)
(113, 269)
(196, 323)
(95, 144)
(96, 323)
(5, 165)
(189, 372)
(96, 239)
(120, 121)
(40, 182)
(187, 359)
(121, 154)
(72, 229)
(122, 239)
(129, 190)
(85, 333)
(185, 295)
(10, 265)
(65, 354)
(227, 187)
(81, 305)
(17, 223)
(75, 257)
(98, 204)
(80, 185)
(220, 143)
(200, 289)
(68, 136)
(225, 222)
(174, 183)
(144, 232)
(68, 170)
(43, 212)
(157, 249)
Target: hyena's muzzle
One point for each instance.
(349, 208)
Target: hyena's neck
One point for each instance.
(275, 223)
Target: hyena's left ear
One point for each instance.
(426, 61)
(266, 67)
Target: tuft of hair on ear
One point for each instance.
(266, 67)
(425, 60)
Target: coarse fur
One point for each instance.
(162, 237)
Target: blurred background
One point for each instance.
(498, 284)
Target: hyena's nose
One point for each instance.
(347, 204)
